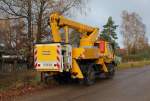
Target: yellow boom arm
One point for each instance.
(57, 21)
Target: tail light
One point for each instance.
(39, 65)
(55, 65)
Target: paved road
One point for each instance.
(128, 85)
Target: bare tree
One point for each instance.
(12, 32)
(133, 32)
(43, 8)
(36, 12)
(20, 8)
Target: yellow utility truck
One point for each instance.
(58, 59)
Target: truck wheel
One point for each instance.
(111, 71)
(90, 76)
(49, 80)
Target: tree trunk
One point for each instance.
(39, 30)
(29, 53)
(39, 23)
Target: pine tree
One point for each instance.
(109, 33)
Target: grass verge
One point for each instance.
(135, 64)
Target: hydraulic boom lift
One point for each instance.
(59, 59)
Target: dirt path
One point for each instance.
(128, 85)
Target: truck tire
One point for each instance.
(111, 71)
(90, 75)
(49, 80)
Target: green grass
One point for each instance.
(136, 64)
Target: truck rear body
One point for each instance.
(47, 57)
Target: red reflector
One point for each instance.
(58, 52)
(58, 58)
(55, 65)
(39, 65)
(58, 65)
(35, 52)
(102, 46)
(35, 65)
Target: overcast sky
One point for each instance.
(100, 10)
